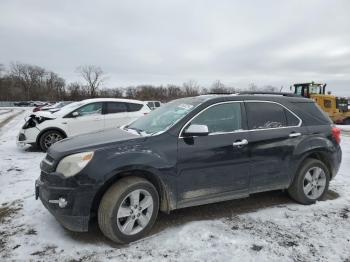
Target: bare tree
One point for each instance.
(252, 87)
(30, 77)
(190, 88)
(94, 77)
(55, 86)
(219, 87)
(2, 70)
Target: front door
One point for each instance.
(211, 168)
(89, 118)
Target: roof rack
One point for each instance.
(221, 93)
(267, 93)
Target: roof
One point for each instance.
(257, 96)
(112, 100)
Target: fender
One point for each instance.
(137, 160)
(316, 145)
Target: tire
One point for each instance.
(55, 135)
(117, 201)
(306, 179)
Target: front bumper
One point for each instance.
(75, 215)
(27, 136)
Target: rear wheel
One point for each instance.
(48, 138)
(311, 182)
(128, 210)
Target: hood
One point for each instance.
(44, 114)
(91, 141)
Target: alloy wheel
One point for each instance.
(52, 138)
(135, 212)
(314, 182)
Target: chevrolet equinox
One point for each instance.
(189, 152)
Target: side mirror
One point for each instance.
(75, 114)
(196, 130)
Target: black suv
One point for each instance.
(191, 151)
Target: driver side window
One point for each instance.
(90, 109)
(221, 118)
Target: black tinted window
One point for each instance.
(292, 120)
(156, 104)
(134, 107)
(221, 118)
(312, 114)
(115, 107)
(263, 115)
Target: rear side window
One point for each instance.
(312, 114)
(115, 107)
(150, 105)
(262, 115)
(221, 118)
(292, 120)
(156, 104)
(132, 107)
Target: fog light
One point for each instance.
(62, 202)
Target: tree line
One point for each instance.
(26, 82)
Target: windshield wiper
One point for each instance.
(139, 131)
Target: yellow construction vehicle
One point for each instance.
(336, 107)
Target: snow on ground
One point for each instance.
(8, 112)
(264, 227)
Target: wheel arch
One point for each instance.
(164, 203)
(48, 129)
(319, 155)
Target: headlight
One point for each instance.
(73, 164)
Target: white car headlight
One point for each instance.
(73, 164)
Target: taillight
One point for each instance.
(145, 114)
(36, 109)
(336, 134)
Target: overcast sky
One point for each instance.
(159, 42)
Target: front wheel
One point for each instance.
(311, 182)
(128, 210)
(48, 138)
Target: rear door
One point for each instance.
(211, 168)
(274, 134)
(136, 110)
(116, 114)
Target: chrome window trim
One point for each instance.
(244, 130)
(203, 110)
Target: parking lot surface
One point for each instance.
(264, 227)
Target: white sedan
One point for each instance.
(45, 128)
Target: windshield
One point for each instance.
(165, 116)
(68, 108)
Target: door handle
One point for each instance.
(240, 143)
(294, 134)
